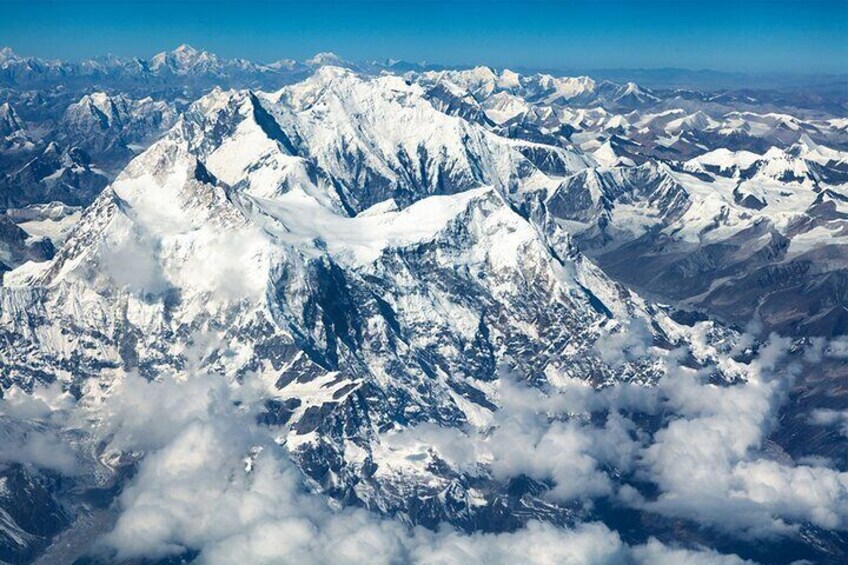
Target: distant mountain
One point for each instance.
(200, 69)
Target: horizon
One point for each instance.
(424, 63)
(788, 37)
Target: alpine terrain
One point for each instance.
(331, 311)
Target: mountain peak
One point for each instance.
(327, 58)
(183, 58)
(9, 120)
(7, 54)
(186, 49)
(806, 143)
(807, 149)
(286, 64)
(330, 71)
(632, 93)
(101, 102)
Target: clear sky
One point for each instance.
(741, 35)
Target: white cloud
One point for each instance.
(213, 481)
(219, 485)
(709, 465)
(829, 417)
(628, 344)
(30, 429)
(131, 259)
(30, 445)
(706, 457)
(656, 553)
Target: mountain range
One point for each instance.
(453, 298)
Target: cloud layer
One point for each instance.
(701, 445)
(212, 482)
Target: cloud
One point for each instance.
(217, 484)
(656, 553)
(218, 260)
(211, 481)
(227, 264)
(709, 462)
(131, 260)
(525, 441)
(703, 452)
(30, 445)
(538, 543)
(43, 402)
(829, 417)
(30, 429)
(628, 344)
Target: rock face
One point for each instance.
(15, 247)
(63, 175)
(30, 516)
(110, 126)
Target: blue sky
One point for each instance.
(760, 36)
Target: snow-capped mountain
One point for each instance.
(55, 174)
(362, 310)
(735, 233)
(258, 165)
(411, 281)
(10, 123)
(113, 126)
(183, 60)
(328, 58)
(184, 67)
(559, 124)
(14, 137)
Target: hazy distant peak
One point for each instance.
(186, 49)
(7, 54)
(327, 58)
